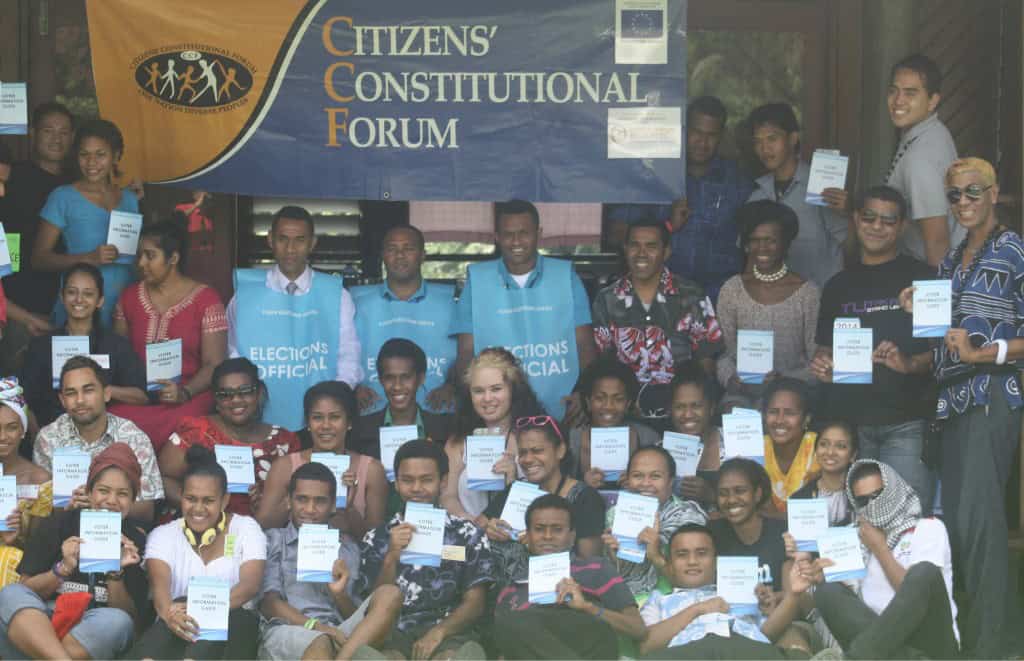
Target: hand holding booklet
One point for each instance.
(828, 170)
(686, 450)
(737, 580)
(482, 452)
(808, 520)
(519, 498)
(318, 549)
(100, 551)
(428, 540)
(338, 463)
(163, 363)
(609, 450)
(237, 462)
(123, 233)
(208, 603)
(544, 574)
(842, 547)
(70, 471)
(633, 513)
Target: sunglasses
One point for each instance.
(863, 501)
(868, 217)
(972, 191)
(243, 391)
(538, 421)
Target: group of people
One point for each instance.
(296, 366)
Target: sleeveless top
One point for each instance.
(362, 467)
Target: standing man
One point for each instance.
(30, 293)
(924, 153)
(889, 412)
(405, 305)
(817, 251)
(653, 320)
(534, 306)
(704, 232)
(288, 321)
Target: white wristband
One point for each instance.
(1001, 348)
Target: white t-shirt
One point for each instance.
(928, 542)
(168, 543)
(521, 280)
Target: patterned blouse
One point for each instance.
(989, 304)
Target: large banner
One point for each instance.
(546, 100)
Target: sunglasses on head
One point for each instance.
(538, 421)
(242, 391)
(862, 501)
(972, 191)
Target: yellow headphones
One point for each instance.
(209, 534)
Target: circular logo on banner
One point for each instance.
(193, 77)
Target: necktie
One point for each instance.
(291, 288)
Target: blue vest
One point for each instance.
(535, 323)
(424, 319)
(292, 339)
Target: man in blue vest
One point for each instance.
(407, 306)
(296, 324)
(533, 305)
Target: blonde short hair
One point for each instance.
(980, 166)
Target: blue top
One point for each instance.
(84, 227)
(463, 321)
(989, 304)
(705, 249)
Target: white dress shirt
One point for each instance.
(348, 369)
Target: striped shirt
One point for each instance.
(598, 581)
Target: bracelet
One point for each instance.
(311, 623)
(60, 577)
(600, 612)
(1001, 347)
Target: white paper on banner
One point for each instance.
(163, 362)
(645, 132)
(828, 170)
(338, 463)
(63, 347)
(737, 580)
(743, 436)
(633, 513)
(755, 354)
(482, 452)
(519, 498)
(123, 233)
(70, 471)
(609, 450)
(13, 109)
(544, 574)
(933, 307)
(686, 449)
(808, 520)
(208, 603)
(842, 547)
(641, 32)
(317, 551)
(6, 267)
(8, 499)
(851, 355)
(237, 462)
(392, 438)
(100, 551)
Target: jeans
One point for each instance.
(900, 446)
(543, 632)
(103, 632)
(917, 622)
(733, 648)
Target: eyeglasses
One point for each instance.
(868, 217)
(863, 501)
(242, 391)
(972, 191)
(536, 421)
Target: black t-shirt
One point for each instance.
(43, 551)
(770, 549)
(871, 294)
(27, 190)
(586, 503)
(37, 377)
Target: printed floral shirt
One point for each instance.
(680, 325)
(430, 593)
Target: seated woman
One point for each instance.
(167, 305)
(543, 457)
(331, 414)
(35, 489)
(82, 298)
(609, 390)
(79, 213)
(694, 400)
(207, 541)
(494, 393)
(237, 392)
(743, 490)
(53, 585)
(788, 445)
(768, 297)
(835, 450)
